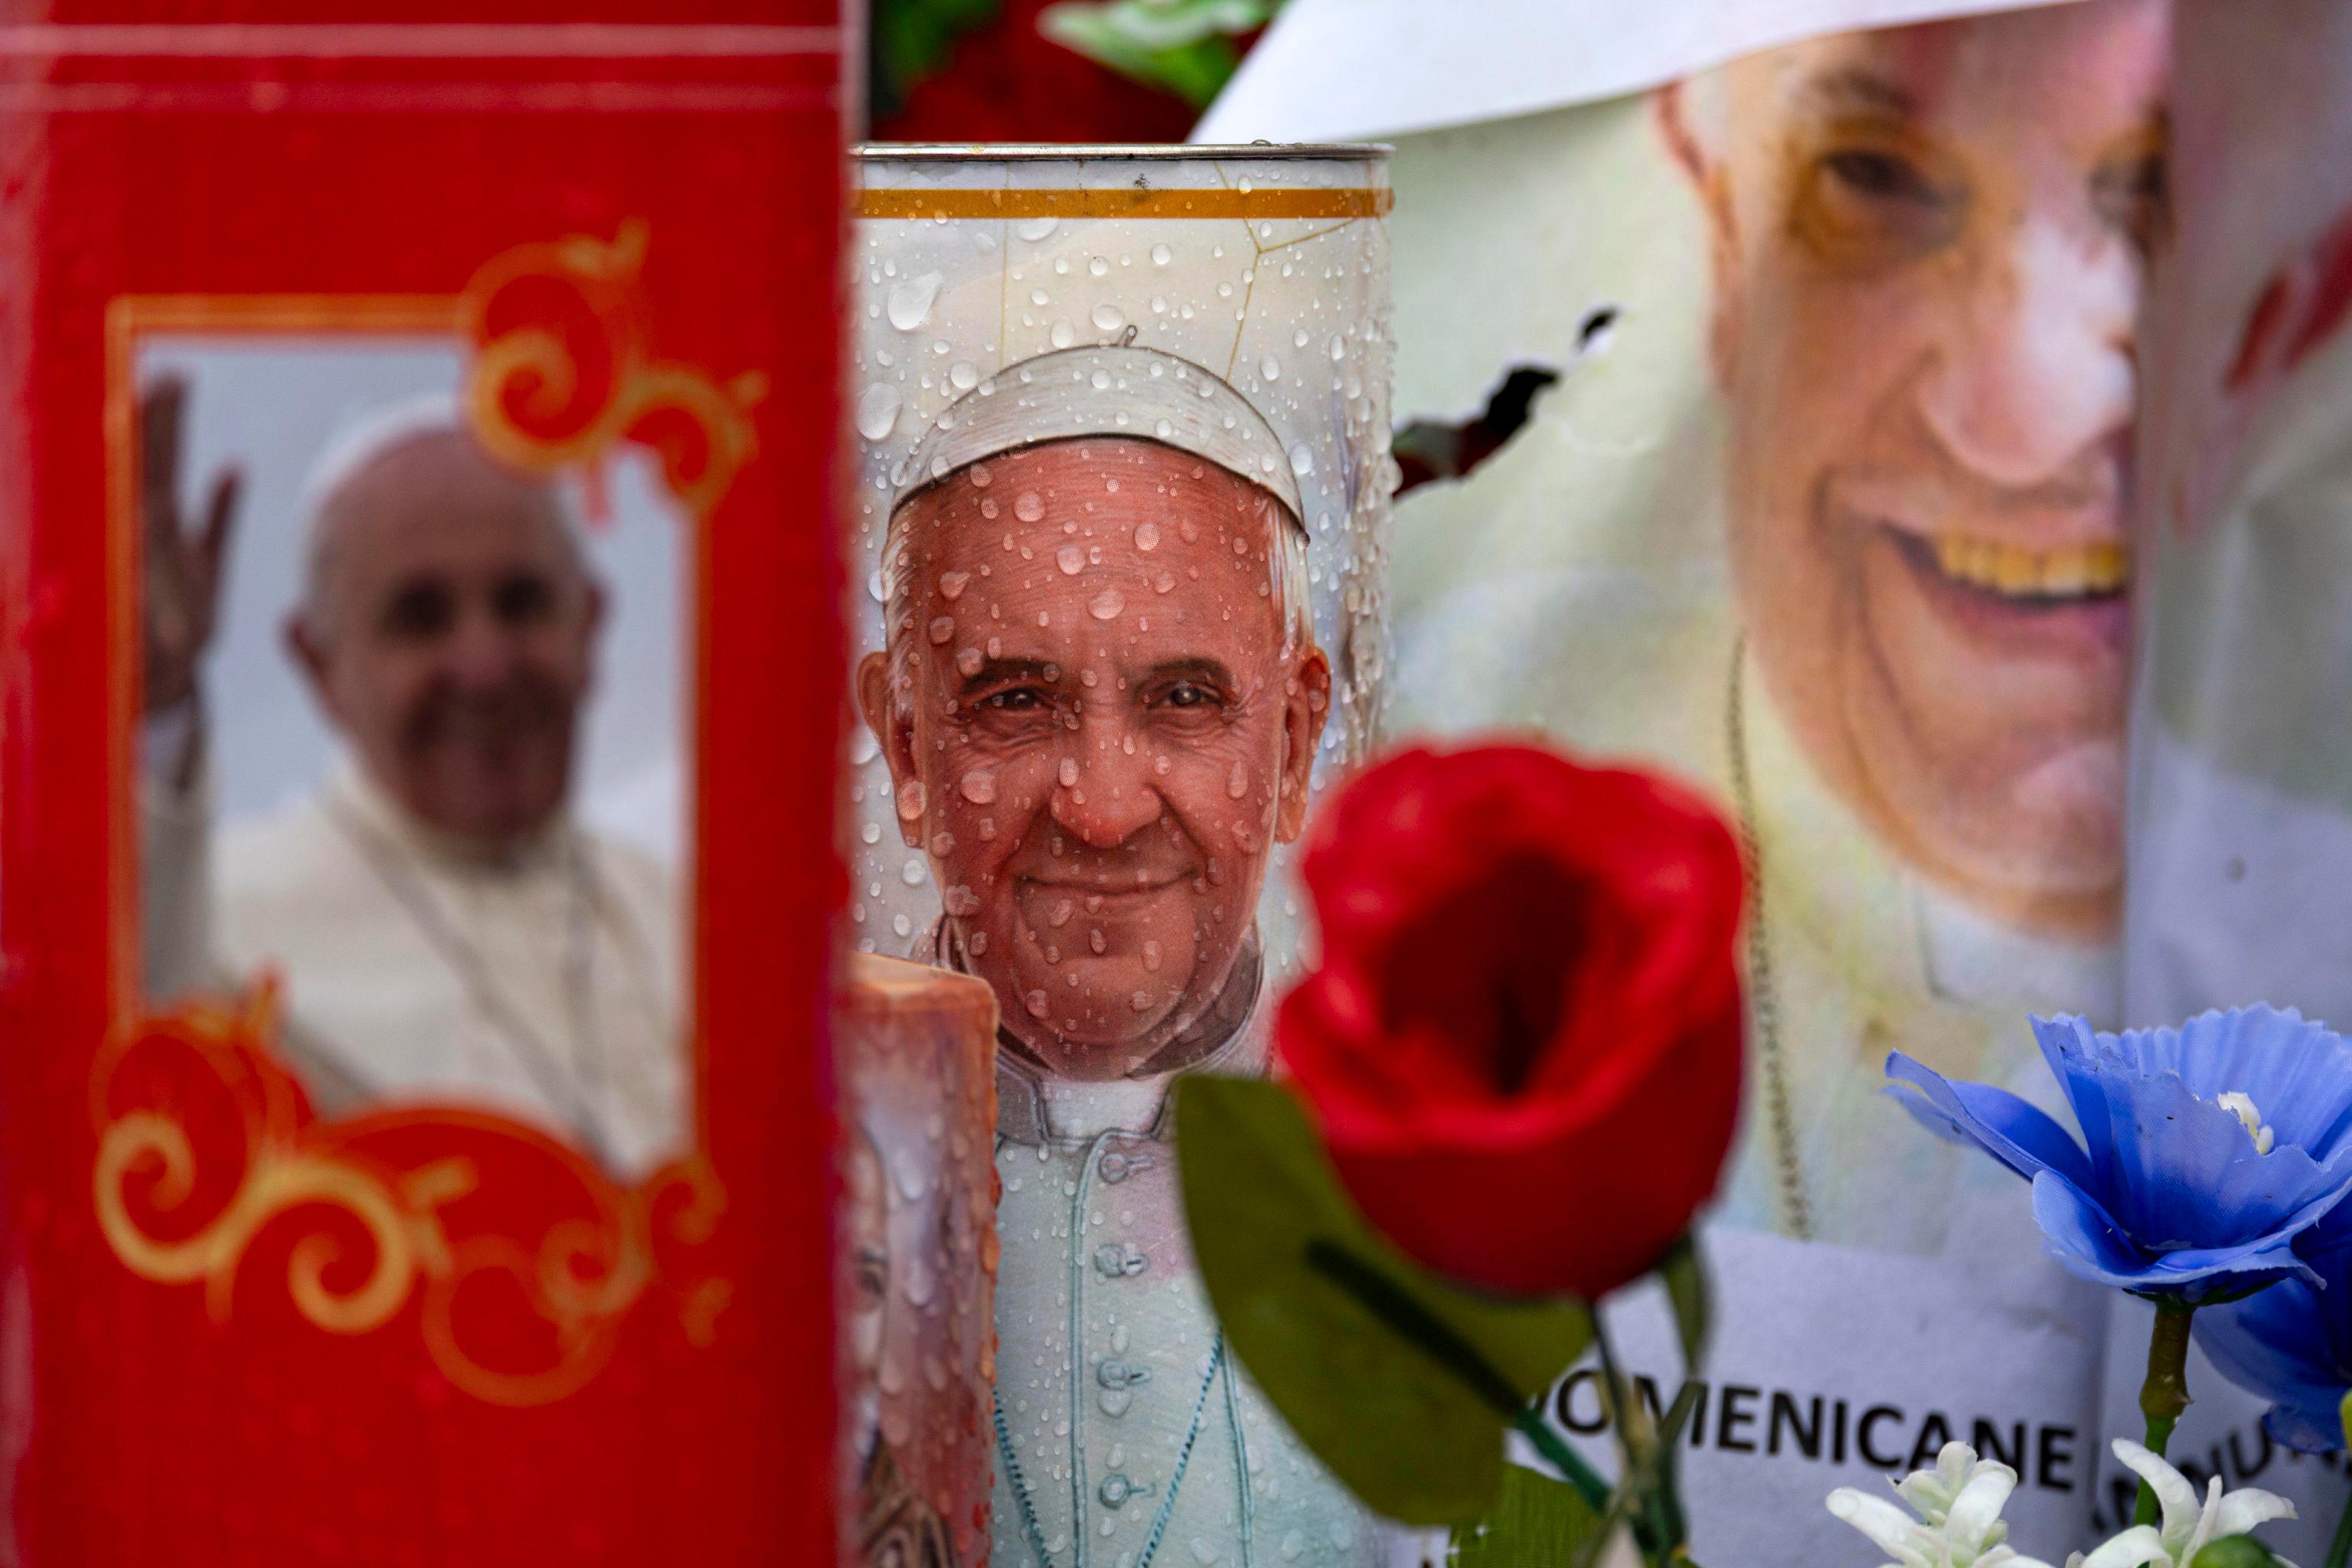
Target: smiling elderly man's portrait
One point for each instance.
(1929, 244)
(403, 748)
(1099, 699)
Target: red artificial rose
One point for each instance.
(1523, 1039)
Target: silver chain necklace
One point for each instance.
(1763, 994)
(575, 1097)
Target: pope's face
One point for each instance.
(1930, 248)
(452, 643)
(1096, 733)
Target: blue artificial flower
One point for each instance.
(2291, 1344)
(2210, 1147)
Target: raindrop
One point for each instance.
(911, 806)
(1161, 256)
(942, 628)
(910, 302)
(1270, 368)
(863, 747)
(1067, 773)
(1108, 319)
(1164, 583)
(1237, 782)
(911, 873)
(1097, 941)
(979, 788)
(1302, 460)
(1152, 957)
(1064, 334)
(1147, 537)
(1036, 1002)
(1028, 506)
(1037, 228)
(871, 833)
(878, 411)
(902, 925)
(1107, 605)
(952, 584)
(1098, 267)
(1070, 559)
(1299, 339)
(962, 376)
(969, 661)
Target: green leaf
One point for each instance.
(1538, 1520)
(2235, 1551)
(1686, 1277)
(1321, 1309)
(1183, 47)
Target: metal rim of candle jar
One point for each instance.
(1079, 153)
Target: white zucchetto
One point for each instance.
(1112, 390)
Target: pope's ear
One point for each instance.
(892, 722)
(1677, 127)
(1305, 712)
(309, 651)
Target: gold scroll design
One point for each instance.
(563, 369)
(282, 1167)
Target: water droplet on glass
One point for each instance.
(1098, 267)
(1028, 506)
(1147, 537)
(952, 584)
(877, 410)
(911, 873)
(1064, 334)
(1107, 605)
(1161, 256)
(1237, 782)
(961, 375)
(1164, 583)
(979, 788)
(1302, 460)
(1036, 1003)
(942, 628)
(910, 302)
(968, 662)
(911, 806)
(863, 747)
(1068, 773)
(1037, 228)
(1070, 559)
(1270, 368)
(1299, 339)
(1108, 319)
(871, 833)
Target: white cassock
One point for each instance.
(1126, 1435)
(541, 984)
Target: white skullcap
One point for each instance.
(374, 436)
(1113, 390)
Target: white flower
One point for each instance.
(2187, 1526)
(1958, 1503)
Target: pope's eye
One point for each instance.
(1879, 176)
(1184, 694)
(1019, 700)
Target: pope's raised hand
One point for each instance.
(185, 565)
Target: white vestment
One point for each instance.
(541, 984)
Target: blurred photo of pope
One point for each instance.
(441, 926)
(1099, 699)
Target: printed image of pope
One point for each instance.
(1099, 699)
(1927, 247)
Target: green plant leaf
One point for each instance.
(1311, 1298)
(1538, 1520)
(1183, 47)
(1687, 1288)
(2235, 1551)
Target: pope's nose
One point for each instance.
(2037, 366)
(1104, 792)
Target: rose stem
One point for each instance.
(1656, 1520)
(2164, 1394)
(1436, 1338)
(2339, 1552)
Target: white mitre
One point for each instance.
(1112, 389)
